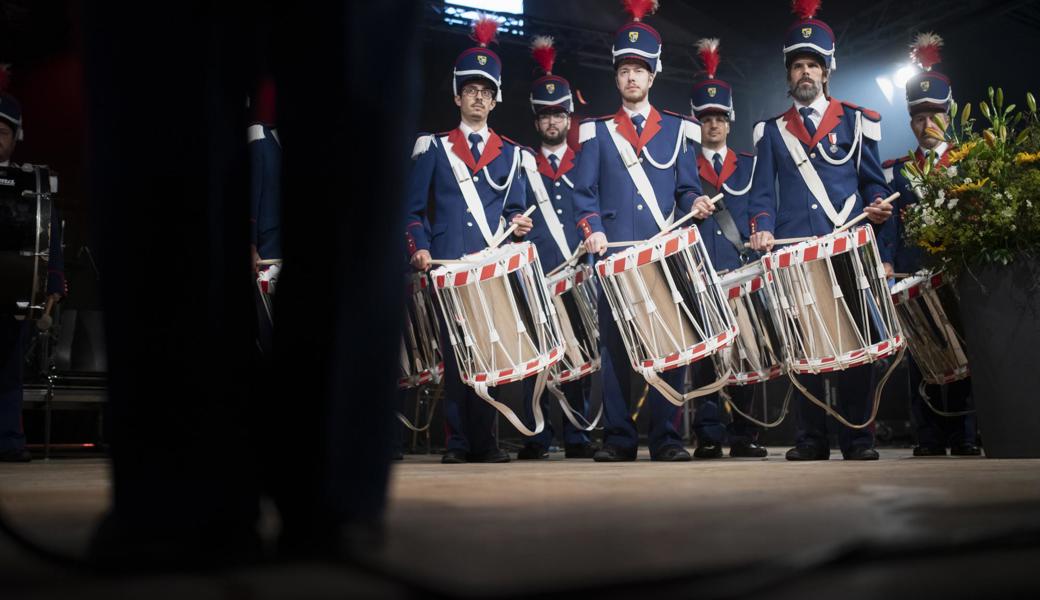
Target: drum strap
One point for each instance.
(638, 175)
(536, 406)
(552, 222)
(725, 220)
(577, 419)
(812, 178)
(675, 396)
(469, 192)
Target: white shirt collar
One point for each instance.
(939, 150)
(558, 153)
(819, 106)
(645, 111)
(710, 153)
(483, 133)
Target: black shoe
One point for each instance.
(965, 450)
(929, 451)
(710, 450)
(861, 453)
(580, 450)
(747, 450)
(614, 454)
(532, 452)
(807, 453)
(495, 455)
(16, 455)
(673, 454)
(398, 455)
(454, 457)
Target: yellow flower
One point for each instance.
(930, 247)
(957, 154)
(1025, 158)
(968, 187)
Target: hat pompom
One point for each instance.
(925, 50)
(708, 50)
(639, 8)
(805, 9)
(484, 30)
(544, 53)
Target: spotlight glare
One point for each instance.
(886, 87)
(903, 75)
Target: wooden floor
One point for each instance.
(534, 526)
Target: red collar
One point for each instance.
(627, 129)
(944, 160)
(460, 146)
(565, 165)
(831, 118)
(707, 170)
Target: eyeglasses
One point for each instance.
(484, 93)
(559, 117)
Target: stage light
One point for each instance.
(513, 7)
(903, 75)
(886, 87)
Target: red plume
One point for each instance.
(925, 50)
(543, 52)
(805, 9)
(708, 50)
(639, 8)
(484, 30)
(5, 76)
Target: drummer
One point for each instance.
(724, 233)
(928, 97)
(815, 197)
(554, 232)
(13, 332)
(611, 205)
(456, 227)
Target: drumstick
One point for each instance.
(688, 216)
(269, 261)
(786, 241)
(570, 261)
(902, 275)
(45, 321)
(508, 232)
(450, 261)
(886, 201)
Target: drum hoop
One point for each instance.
(653, 250)
(494, 264)
(834, 244)
(567, 279)
(512, 374)
(912, 287)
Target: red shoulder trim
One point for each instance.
(893, 162)
(689, 118)
(870, 114)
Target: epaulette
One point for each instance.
(689, 118)
(587, 129)
(423, 142)
(759, 131)
(870, 114)
(513, 142)
(255, 132)
(691, 126)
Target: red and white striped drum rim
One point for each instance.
(649, 251)
(487, 264)
(819, 248)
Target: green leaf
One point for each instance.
(1031, 102)
(1010, 108)
(1000, 97)
(989, 91)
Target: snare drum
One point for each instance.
(668, 305)
(500, 321)
(833, 299)
(25, 239)
(756, 354)
(421, 359)
(927, 308)
(574, 297)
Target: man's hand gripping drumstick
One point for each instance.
(703, 207)
(521, 225)
(878, 212)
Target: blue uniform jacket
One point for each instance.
(735, 183)
(780, 199)
(606, 199)
(265, 191)
(451, 231)
(560, 187)
(906, 258)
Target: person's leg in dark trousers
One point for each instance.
(928, 426)
(577, 395)
(741, 431)
(961, 430)
(811, 420)
(664, 421)
(12, 355)
(708, 425)
(185, 486)
(855, 388)
(619, 430)
(545, 438)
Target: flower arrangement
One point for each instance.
(980, 204)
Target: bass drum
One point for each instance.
(25, 238)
